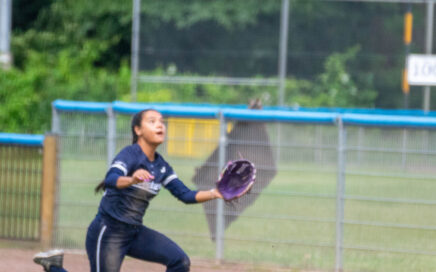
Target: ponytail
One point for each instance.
(100, 187)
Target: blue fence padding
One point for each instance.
(367, 117)
(388, 120)
(229, 113)
(279, 116)
(190, 104)
(102, 106)
(21, 139)
(85, 106)
(168, 110)
(411, 112)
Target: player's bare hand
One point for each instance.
(141, 175)
(216, 193)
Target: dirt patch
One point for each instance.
(21, 260)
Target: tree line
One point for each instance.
(339, 54)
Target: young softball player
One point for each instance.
(135, 177)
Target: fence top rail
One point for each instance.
(83, 106)
(228, 113)
(395, 112)
(280, 116)
(169, 110)
(88, 106)
(389, 121)
(357, 117)
(21, 139)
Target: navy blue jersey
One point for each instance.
(128, 205)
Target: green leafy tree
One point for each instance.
(26, 94)
(335, 87)
(80, 50)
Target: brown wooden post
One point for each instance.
(48, 189)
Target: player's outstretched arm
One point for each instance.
(211, 194)
(188, 196)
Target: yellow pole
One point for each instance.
(408, 25)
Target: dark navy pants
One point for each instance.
(108, 241)
(57, 269)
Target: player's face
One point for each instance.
(152, 128)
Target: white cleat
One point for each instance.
(49, 258)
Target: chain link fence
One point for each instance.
(334, 191)
(20, 186)
(280, 51)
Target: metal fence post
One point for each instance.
(136, 22)
(283, 52)
(220, 203)
(340, 192)
(428, 49)
(404, 149)
(111, 135)
(279, 141)
(318, 144)
(360, 142)
(5, 33)
(55, 121)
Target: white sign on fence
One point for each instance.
(421, 69)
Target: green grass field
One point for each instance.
(287, 225)
(389, 213)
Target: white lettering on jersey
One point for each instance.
(163, 170)
(151, 187)
(155, 186)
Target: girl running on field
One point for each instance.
(135, 177)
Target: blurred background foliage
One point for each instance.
(80, 50)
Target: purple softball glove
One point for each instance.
(236, 179)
